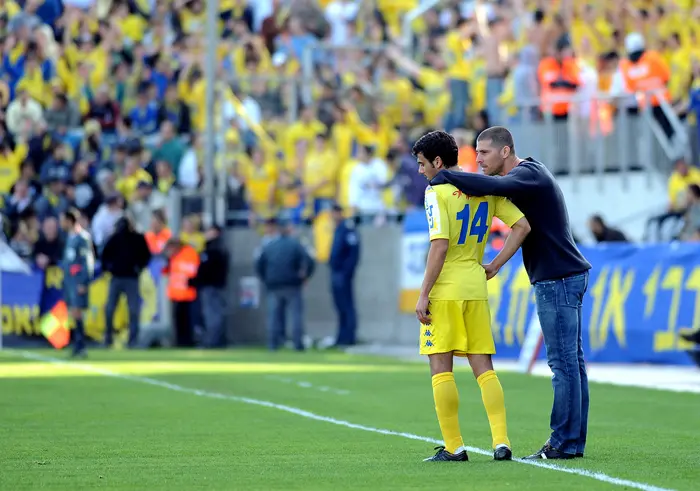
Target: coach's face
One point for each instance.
(427, 168)
(491, 159)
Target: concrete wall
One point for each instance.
(376, 291)
(616, 197)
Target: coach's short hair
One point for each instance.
(438, 144)
(499, 136)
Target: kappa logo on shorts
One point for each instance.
(428, 344)
(427, 333)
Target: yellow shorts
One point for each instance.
(461, 326)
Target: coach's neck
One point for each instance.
(510, 163)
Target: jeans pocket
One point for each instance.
(574, 289)
(546, 296)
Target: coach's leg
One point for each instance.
(446, 400)
(492, 397)
(581, 444)
(559, 323)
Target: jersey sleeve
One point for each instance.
(436, 212)
(507, 211)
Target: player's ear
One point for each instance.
(505, 152)
(437, 163)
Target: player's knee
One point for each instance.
(440, 363)
(480, 364)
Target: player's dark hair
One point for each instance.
(72, 215)
(499, 136)
(437, 144)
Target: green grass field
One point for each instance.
(244, 420)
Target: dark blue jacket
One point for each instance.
(345, 251)
(283, 263)
(549, 251)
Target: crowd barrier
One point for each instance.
(27, 297)
(639, 298)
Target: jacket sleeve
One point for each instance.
(309, 263)
(522, 180)
(144, 253)
(260, 264)
(108, 255)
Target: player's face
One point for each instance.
(425, 167)
(489, 158)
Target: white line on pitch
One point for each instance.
(599, 476)
(308, 385)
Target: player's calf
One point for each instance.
(494, 403)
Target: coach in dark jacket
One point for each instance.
(211, 280)
(284, 265)
(125, 255)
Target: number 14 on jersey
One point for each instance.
(479, 225)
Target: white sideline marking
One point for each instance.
(308, 385)
(599, 476)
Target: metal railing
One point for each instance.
(590, 142)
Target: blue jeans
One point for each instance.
(130, 288)
(459, 97)
(214, 313)
(494, 89)
(278, 300)
(559, 309)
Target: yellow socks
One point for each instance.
(447, 407)
(492, 395)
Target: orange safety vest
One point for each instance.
(555, 100)
(650, 73)
(466, 159)
(183, 266)
(156, 242)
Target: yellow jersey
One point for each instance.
(465, 221)
(678, 187)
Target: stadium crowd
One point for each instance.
(102, 102)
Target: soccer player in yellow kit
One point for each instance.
(453, 304)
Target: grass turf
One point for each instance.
(64, 428)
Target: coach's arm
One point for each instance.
(520, 181)
(513, 242)
(436, 259)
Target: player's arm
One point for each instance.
(436, 260)
(438, 224)
(514, 218)
(521, 181)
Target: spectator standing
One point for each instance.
(125, 256)
(211, 281)
(602, 232)
(284, 265)
(145, 202)
(691, 219)
(24, 115)
(183, 263)
(344, 256)
(49, 248)
(105, 219)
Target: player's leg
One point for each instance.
(78, 336)
(438, 341)
(477, 318)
